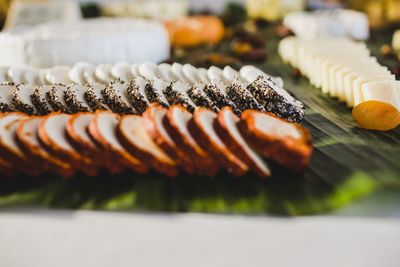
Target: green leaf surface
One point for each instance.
(348, 163)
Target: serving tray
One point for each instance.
(348, 163)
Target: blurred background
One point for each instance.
(22, 12)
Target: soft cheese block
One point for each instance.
(339, 22)
(94, 40)
(339, 66)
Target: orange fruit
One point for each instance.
(376, 115)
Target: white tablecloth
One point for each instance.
(95, 239)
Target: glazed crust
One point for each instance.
(292, 153)
(170, 148)
(89, 150)
(223, 155)
(165, 166)
(25, 166)
(205, 163)
(78, 161)
(230, 141)
(124, 159)
(39, 155)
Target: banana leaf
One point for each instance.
(348, 163)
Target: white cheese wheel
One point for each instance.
(95, 41)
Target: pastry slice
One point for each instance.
(177, 70)
(22, 99)
(227, 129)
(77, 131)
(176, 123)
(153, 123)
(287, 143)
(116, 97)
(154, 92)
(122, 71)
(23, 74)
(177, 93)
(39, 99)
(28, 139)
(229, 74)
(103, 129)
(202, 73)
(3, 74)
(102, 73)
(75, 98)
(166, 73)
(57, 75)
(250, 73)
(214, 73)
(82, 73)
(216, 90)
(149, 71)
(6, 95)
(137, 94)
(10, 149)
(55, 97)
(94, 97)
(42, 77)
(276, 99)
(135, 70)
(200, 98)
(191, 73)
(202, 129)
(52, 133)
(243, 99)
(135, 139)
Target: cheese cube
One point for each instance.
(384, 91)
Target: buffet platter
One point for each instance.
(347, 163)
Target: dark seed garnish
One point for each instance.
(176, 93)
(267, 93)
(137, 94)
(200, 98)
(39, 99)
(154, 92)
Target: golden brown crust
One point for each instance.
(88, 149)
(114, 167)
(223, 155)
(292, 153)
(153, 131)
(79, 142)
(38, 155)
(163, 165)
(24, 164)
(230, 141)
(170, 148)
(73, 158)
(124, 159)
(205, 164)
